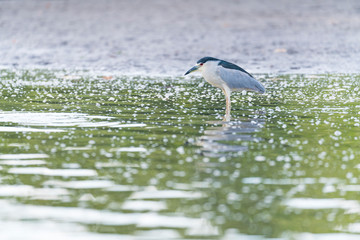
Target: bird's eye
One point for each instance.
(201, 64)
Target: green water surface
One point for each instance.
(129, 157)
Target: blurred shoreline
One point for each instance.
(164, 37)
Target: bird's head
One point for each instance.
(199, 65)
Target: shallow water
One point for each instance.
(85, 156)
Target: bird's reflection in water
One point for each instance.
(229, 137)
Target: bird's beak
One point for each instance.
(194, 68)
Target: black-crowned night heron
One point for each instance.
(228, 77)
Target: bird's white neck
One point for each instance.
(209, 72)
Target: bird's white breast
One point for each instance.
(209, 72)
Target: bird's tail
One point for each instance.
(260, 87)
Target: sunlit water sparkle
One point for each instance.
(85, 157)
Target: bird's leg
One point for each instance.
(227, 94)
(228, 108)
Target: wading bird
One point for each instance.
(228, 77)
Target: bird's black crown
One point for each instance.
(205, 59)
(224, 64)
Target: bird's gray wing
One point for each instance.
(238, 80)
